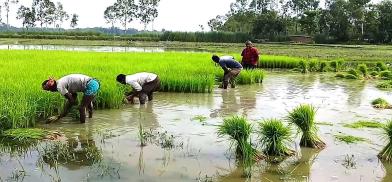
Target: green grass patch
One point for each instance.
(381, 103)
(349, 139)
(199, 118)
(364, 124)
(21, 134)
(385, 85)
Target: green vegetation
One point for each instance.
(386, 153)
(22, 101)
(386, 75)
(364, 124)
(381, 103)
(381, 66)
(324, 123)
(337, 65)
(363, 69)
(274, 136)
(239, 130)
(349, 138)
(23, 134)
(200, 118)
(303, 117)
(385, 85)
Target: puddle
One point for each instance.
(107, 147)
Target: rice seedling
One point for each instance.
(22, 103)
(23, 134)
(313, 65)
(238, 129)
(323, 67)
(381, 103)
(386, 75)
(351, 76)
(337, 65)
(363, 69)
(340, 75)
(349, 139)
(324, 123)
(303, 66)
(284, 62)
(385, 85)
(349, 161)
(274, 136)
(303, 117)
(364, 124)
(374, 73)
(381, 66)
(353, 72)
(386, 152)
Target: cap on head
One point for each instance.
(215, 58)
(121, 78)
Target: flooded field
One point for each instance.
(187, 148)
(96, 48)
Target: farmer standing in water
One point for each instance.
(250, 56)
(143, 85)
(68, 86)
(231, 69)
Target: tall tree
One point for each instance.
(110, 15)
(147, 11)
(44, 11)
(216, 23)
(7, 4)
(60, 15)
(385, 18)
(126, 11)
(27, 15)
(74, 20)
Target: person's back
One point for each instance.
(229, 62)
(72, 83)
(140, 78)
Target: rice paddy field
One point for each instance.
(302, 123)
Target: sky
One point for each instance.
(175, 15)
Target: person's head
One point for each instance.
(215, 58)
(248, 43)
(49, 85)
(121, 78)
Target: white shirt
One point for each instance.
(72, 83)
(139, 79)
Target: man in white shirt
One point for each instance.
(68, 86)
(143, 85)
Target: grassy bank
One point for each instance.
(22, 101)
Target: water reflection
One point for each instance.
(388, 172)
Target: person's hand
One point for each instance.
(130, 99)
(52, 119)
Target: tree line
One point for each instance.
(46, 13)
(333, 21)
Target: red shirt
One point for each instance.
(250, 55)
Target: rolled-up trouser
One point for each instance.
(230, 76)
(148, 89)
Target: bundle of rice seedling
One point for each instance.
(303, 117)
(386, 153)
(274, 136)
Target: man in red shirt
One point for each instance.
(250, 56)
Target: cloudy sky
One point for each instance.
(176, 15)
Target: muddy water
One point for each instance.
(111, 137)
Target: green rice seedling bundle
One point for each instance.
(283, 62)
(22, 101)
(304, 66)
(323, 66)
(354, 72)
(374, 73)
(381, 103)
(337, 65)
(340, 75)
(363, 69)
(313, 65)
(274, 136)
(381, 66)
(386, 75)
(238, 129)
(386, 152)
(303, 117)
(385, 84)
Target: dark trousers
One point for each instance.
(229, 77)
(247, 65)
(148, 89)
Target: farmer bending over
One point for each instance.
(143, 85)
(250, 56)
(230, 67)
(68, 86)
